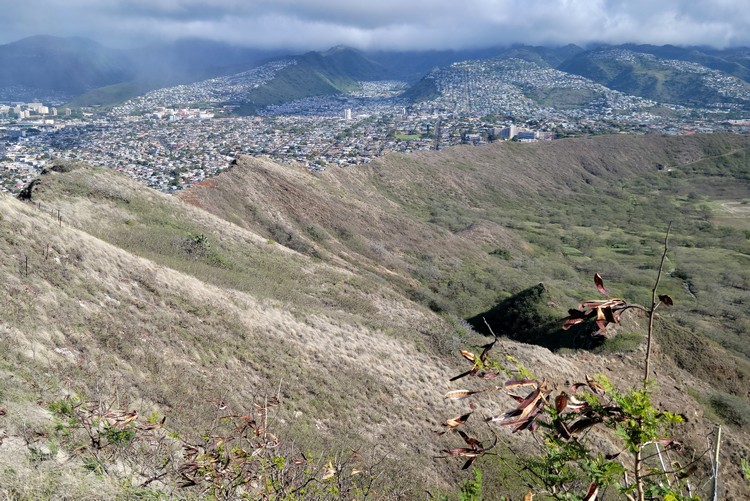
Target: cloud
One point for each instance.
(386, 24)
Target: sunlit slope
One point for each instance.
(157, 324)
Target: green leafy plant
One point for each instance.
(745, 467)
(471, 490)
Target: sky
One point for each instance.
(383, 24)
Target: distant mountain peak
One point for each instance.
(52, 41)
(338, 49)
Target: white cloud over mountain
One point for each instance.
(386, 24)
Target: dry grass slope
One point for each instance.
(93, 319)
(145, 301)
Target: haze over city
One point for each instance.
(386, 24)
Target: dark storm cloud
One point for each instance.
(387, 24)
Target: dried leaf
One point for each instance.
(602, 303)
(578, 406)
(600, 284)
(561, 402)
(329, 472)
(463, 374)
(525, 416)
(602, 324)
(530, 424)
(609, 316)
(462, 452)
(529, 496)
(515, 383)
(562, 430)
(486, 351)
(467, 464)
(582, 424)
(532, 398)
(574, 388)
(471, 441)
(666, 300)
(570, 322)
(595, 387)
(592, 492)
(468, 355)
(129, 418)
(455, 422)
(459, 394)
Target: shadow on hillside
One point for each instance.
(530, 317)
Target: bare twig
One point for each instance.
(654, 305)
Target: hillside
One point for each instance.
(344, 292)
(678, 81)
(159, 323)
(464, 230)
(734, 61)
(312, 74)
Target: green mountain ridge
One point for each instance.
(98, 76)
(312, 74)
(646, 72)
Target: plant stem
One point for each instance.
(654, 305)
(638, 477)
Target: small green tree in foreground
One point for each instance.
(570, 466)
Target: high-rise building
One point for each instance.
(348, 114)
(509, 132)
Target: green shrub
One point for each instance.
(731, 408)
(621, 343)
(501, 253)
(316, 233)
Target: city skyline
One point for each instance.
(386, 25)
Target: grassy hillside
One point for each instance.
(344, 293)
(163, 323)
(468, 231)
(733, 61)
(313, 74)
(109, 95)
(453, 222)
(639, 74)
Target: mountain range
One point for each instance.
(90, 74)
